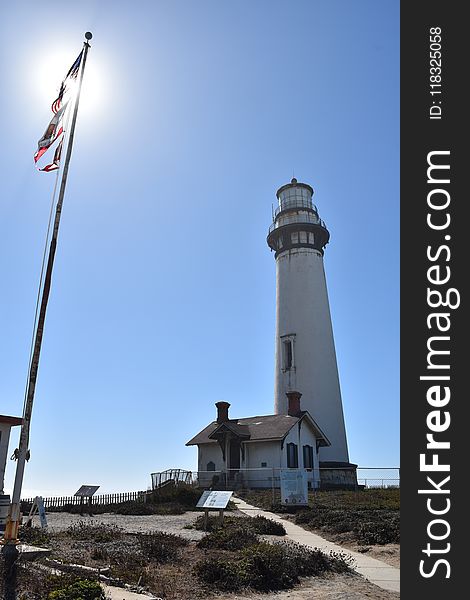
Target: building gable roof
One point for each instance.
(260, 428)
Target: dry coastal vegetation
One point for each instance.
(243, 558)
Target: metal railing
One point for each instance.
(378, 477)
(169, 476)
(288, 220)
(269, 477)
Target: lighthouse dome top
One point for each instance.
(294, 186)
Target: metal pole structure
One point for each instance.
(12, 524)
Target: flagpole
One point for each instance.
(22, 454)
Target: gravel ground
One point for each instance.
(58, 521)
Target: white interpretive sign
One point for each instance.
(216, 499)
(294, 487)
(202, 499)
(41, 511)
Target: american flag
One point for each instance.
(71, 75)
(55, 131)
(55, 164)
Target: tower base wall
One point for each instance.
(338, 476)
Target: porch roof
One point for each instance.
(13, 421)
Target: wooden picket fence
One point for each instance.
(103, 499)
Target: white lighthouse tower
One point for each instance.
(305, 350)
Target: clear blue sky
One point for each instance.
(163, 297)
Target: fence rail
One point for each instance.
(268, 477)
(102, 499)
(382, 477)
(367, 477)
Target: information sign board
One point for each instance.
(41, 511)
(86, 491)
(216, 499)
(294, 487)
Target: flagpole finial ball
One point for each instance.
(88, 35)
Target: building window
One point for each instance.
(308, 457)
(210, 466)
(264, 465)
(288, 362)
(288, 355)
(292, 456)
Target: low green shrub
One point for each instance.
(185, 495)
(99, 553)
(223, 574)
(230, 538)
(258, 524)
(386, 532)
(133, 508)
(265, 526)
(367, 526)
(370, 498)
(36, 536)
(97, 532)
(310, 562)
(126, 561)
(83, 589)
(161, 547)
(268, 567)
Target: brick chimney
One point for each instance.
(222, 411)
(293, 407)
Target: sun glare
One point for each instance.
(52, 69)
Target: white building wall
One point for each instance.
(302, 310)
(4, 440)
(257, 453)
(304, 437)
(209, 453)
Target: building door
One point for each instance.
(234, 458)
